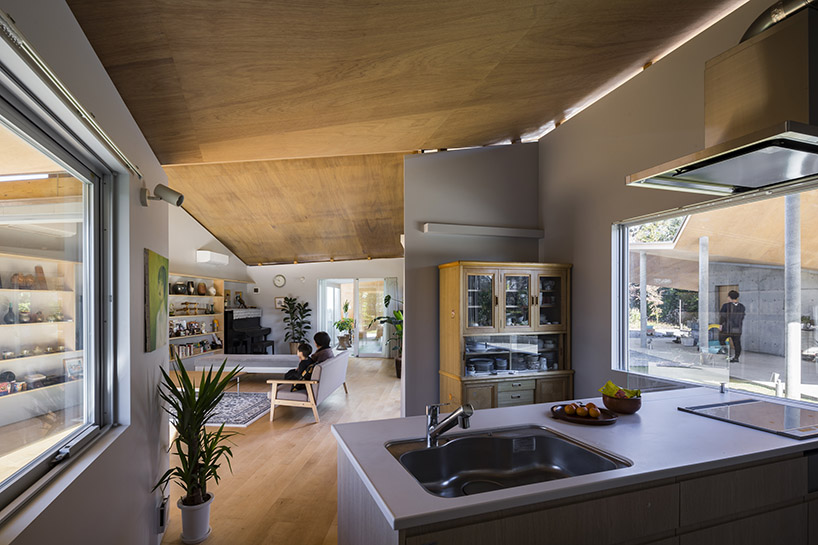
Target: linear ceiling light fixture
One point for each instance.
(12, 35)
(535, 135)
(22, 177)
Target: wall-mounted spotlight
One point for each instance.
(161, 193)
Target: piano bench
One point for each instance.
(260, 347)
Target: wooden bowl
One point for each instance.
(622, 406)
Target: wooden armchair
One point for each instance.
(327, 377)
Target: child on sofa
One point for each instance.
(304, 369)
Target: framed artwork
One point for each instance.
(228, 303)
(73, 368)
(279, 303)
(156, 300)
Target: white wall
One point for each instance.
(185, 236)
(105, 496)
(494, 186)
(656, 117)
(302, 282)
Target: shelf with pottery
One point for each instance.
(198, 335)
(176, 316)
(39, 297)
(28, 403)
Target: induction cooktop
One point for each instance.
(788, 420)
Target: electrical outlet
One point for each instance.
(162, 513)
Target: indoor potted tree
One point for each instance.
(296, 322)
(342, 325)
(396, 321)
(199, 451)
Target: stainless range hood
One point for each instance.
(779, 154)
(761, 116)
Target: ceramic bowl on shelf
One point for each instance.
(482, 365)
(622, 405)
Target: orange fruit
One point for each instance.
(569, 409)
(593, 412)
(582, 411)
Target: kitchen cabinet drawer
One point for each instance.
(508, 399)
(553, 389)
(480, 396)
(516, 385)
(714, 496)
(781, 526)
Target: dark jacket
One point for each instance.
(731, 317)
(322, 354)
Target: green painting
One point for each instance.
(156, 301)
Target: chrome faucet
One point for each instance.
(434, 429)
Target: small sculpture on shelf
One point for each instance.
(9, 318)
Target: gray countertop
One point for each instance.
(660, 440)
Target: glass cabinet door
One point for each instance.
(517, 301)
(550, 301)
(480, 301)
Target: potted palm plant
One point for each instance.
(344, 324)
(296, 322)
(396, 321)
(199, 451)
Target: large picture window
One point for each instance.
(724, 294)
(54, 375)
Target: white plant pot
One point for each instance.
(195, 521)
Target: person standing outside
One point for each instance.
(731, 319)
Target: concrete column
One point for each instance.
(643, 299)
(704, 291)
(792, 293)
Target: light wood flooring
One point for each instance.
(283, 486)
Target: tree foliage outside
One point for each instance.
(662, 305)
(656, 231)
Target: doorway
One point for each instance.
(359, 300)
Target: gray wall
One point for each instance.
(761, 291)
(302, 282)
(185, 236)
(105, 496)
(495, 186)
(655, 117)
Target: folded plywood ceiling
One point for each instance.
(225, 82)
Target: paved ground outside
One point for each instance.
(754, 372)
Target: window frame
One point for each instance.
(25, 115)
(620, 257)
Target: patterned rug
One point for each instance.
(240, 410)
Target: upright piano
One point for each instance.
(243, 332)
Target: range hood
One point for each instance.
(782, 153)
(761, 116)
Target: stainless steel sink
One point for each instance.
(491, 460)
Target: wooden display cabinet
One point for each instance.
(496, 321)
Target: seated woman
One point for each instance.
(322, 342)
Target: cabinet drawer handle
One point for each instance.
(516, 396)
(533, 301)
(516, 384)
(496, 301)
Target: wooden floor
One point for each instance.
(283, 486)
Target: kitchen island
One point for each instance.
(693, 480)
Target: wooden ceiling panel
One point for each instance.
(213, 83)
(305, 210)
(204, 73)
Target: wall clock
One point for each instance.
(279, 281)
